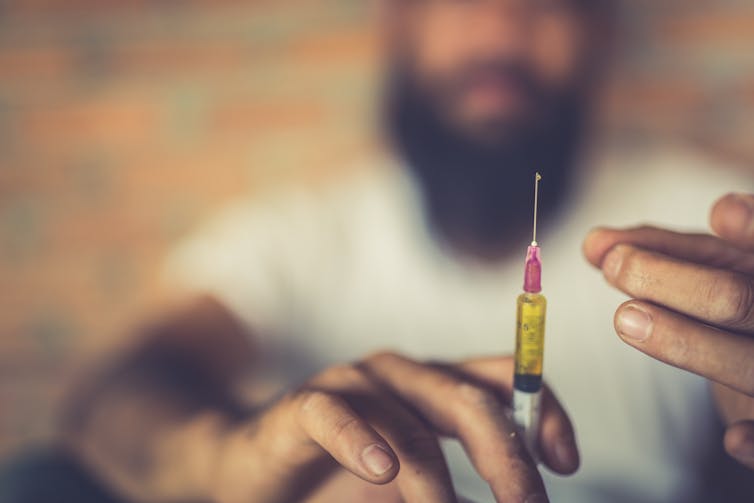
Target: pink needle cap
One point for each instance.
(533, 270)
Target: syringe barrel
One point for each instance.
(527, 379)
(530, 341)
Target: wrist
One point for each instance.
(194, 450)
(252, 458)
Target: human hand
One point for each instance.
(380, 419)
(693, 304)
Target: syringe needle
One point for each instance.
(537, 178)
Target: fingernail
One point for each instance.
(612, 262)
(565, 453)
(537, 498)
(634, 323)
(376, 459)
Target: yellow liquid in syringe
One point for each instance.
(530, 339)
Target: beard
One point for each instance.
(477, 182)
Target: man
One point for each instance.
(422, 255)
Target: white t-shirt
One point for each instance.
(330, 275)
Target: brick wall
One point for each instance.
(687, 72)
(123, 122)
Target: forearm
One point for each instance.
(151, 421)
(153, 452)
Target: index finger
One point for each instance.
(698, 248)
(424, 474)
(721, 298)
(471, 413)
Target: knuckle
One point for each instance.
(338, 377)
(732, 300)
(381, 357)
(313, 401)
(342, 426)
(519, 465)
(338, 374)
(743, 380)
(514, 455)
(680, 352)
(748, 380)
(419, 444)
(635, 273)
(476, 397)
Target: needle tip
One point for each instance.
(537, 178)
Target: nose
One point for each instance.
(501, 27)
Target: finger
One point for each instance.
(556, 437)
(424, 474)
(698, 248)
(338, 429)
(732, 219)
(290, 441)
(724, 357)
(732, 405)
(473, 414)
(739, 442)
(718, 297)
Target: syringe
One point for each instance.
(530, 338)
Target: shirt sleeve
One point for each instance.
(249, 257)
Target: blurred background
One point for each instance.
(124, 122)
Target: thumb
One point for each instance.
(739, 442)
(732, 219)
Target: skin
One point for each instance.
(379, 419)
(393, 408)
(692, 304)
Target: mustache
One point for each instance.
(507, 72)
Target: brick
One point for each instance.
(732, 25)
(35, 63)
(250, 117)
(195, 58)
(90, 122)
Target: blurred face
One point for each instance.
(489, 68)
